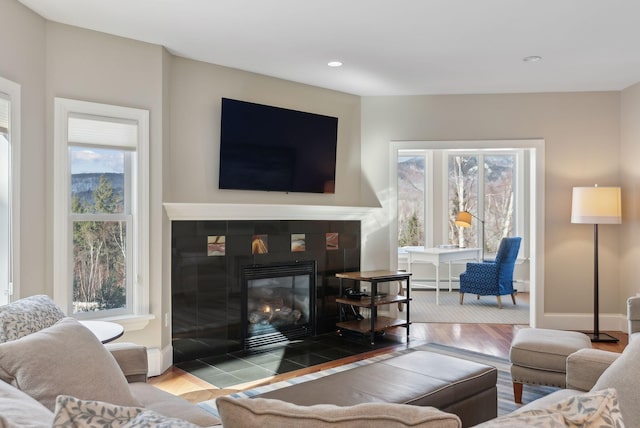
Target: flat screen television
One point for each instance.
(276, 149)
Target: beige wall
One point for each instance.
(581, 133)
(629, 164)
(196, 90)
(92, 66)
(22, 43)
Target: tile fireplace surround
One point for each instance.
(206, 289)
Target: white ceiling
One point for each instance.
(388, 47)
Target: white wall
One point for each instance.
(581, 134)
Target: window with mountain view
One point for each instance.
(411, 198)
(482, 183)
(101, 209)
(101, 217)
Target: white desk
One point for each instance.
(435, 256)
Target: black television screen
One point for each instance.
(276, 149)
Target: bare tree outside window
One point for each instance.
(463, 196)
(496, 193)
(411, 198)
(498, 199)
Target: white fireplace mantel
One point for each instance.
(213, 211)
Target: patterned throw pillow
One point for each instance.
(26, 316)
(72, 412)
(592, 409)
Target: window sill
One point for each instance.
(130, 322)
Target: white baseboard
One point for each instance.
(159, 360)
(521, 285)
(583, 322)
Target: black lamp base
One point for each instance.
(602, 337)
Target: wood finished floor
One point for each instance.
(490, 339)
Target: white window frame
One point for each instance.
(11, 290)
(137, 315)
(436, 168)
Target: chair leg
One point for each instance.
(517, 392)
(499, 302)
(461, 297)
(513, 297)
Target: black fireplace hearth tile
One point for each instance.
(221, 380)
(309, 347)
(253, 373)
(224, 363)
(335, 353)
(239, 367)
(283, 366)
(258, 358)
(307, 359)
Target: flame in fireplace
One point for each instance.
(278, 302)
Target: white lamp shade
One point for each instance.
(596, 205)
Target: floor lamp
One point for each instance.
(463, 219)
(596, 205)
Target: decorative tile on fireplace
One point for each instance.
(207, 291)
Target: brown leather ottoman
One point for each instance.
(421, 378)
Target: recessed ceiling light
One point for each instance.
(334, 64)
(532, 58)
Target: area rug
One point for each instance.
(505, 388)
(478, 311)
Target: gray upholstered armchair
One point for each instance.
(595, 369)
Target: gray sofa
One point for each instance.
(89, 378)
(45, 356)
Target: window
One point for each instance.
(101, 209)
(9, 190)
(411, 198)
(481, 182)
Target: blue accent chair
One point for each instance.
(492, 278)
